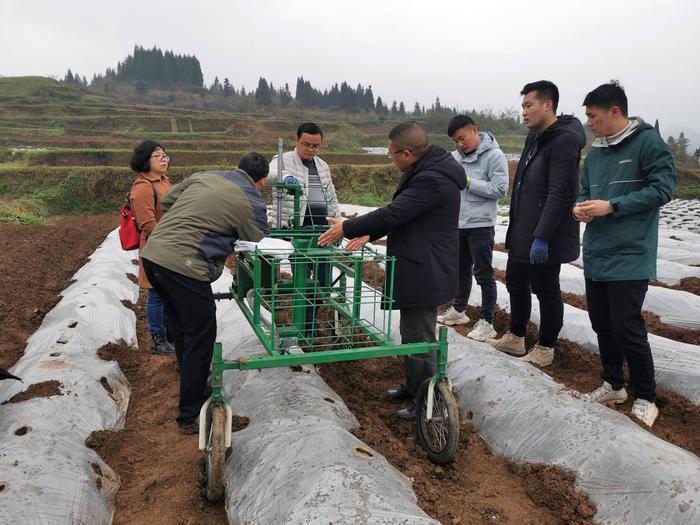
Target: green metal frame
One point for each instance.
(250, 275)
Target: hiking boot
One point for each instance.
(399, 394)
(408, 413)
(160, 345)
(482, 331)
(510, 344)
(452, 317)
(189, 427)
(539, 355)
(645, 411)
(606, 394)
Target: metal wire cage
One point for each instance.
(316, 298)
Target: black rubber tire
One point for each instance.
(215, 454)
(439, 436)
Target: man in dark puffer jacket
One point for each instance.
(542, 234)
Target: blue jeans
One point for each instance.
(155, 313)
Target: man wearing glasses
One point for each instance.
(421, 228)
(303, 166)
(318, 199)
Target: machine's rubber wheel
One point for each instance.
(215, 453)
(439, 436)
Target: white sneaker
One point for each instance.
(509, 343)
(452, 317)
(606, 394)
(645, 411)
(539, 355)
(482, 331)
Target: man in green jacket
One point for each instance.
(205, 215)
(627, 177)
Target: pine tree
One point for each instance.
(227, 88)
(262, 94)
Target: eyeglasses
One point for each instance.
(391, 154)
(162, 158)
(308, 145)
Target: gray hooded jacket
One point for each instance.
(488, 169)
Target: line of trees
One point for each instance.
(154, 67)
(679, 149)
(340, 97)
(75, 79)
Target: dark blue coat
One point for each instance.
(545, 188)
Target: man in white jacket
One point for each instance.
(486, 170)
(318, 199)
(303, 166)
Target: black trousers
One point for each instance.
(320, 272)
(523, 279)
(476, 258)
(191, 311)
(615, 311)
(418, 325)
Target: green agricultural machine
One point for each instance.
(309, 305)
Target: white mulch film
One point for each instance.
(48, 473)
(296, 461)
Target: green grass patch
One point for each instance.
(688, 184)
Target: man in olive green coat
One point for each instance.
(205, 215)
(627, 177)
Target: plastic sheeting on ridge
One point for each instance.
(296, 462)
(48, 473)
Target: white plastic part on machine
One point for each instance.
(674, 307)
(523, 415)
(297, 462)
(47, 472)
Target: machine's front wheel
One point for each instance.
(215, 453)
(438, 435)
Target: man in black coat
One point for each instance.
(542, 234)
(421, 228)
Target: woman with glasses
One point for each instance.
(150, 163)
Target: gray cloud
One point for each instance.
(470, 54)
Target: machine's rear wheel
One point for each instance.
(439, 436)
(215, 453)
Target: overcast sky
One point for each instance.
(471, 54)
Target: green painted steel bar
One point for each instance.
(329, 356)
(218, 365)
(266, 340)
(442, 353)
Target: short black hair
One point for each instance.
(459, 122)
(608, 95)
(141, 158)
(309, 127)
(255, 165)
(546, 90)
(411, 136)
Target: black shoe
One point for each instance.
(190, 427)
(408, 413)
(399, 394)
(160, 345)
